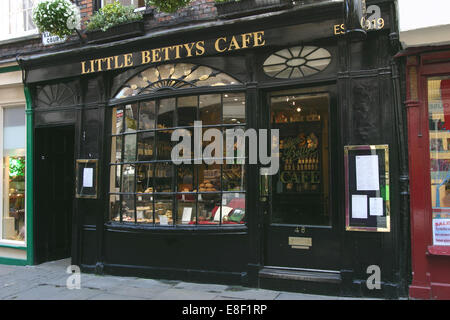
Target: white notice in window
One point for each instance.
(187, 215)
(359, 206)
(376, 207)
(88, 177)
(367, 176)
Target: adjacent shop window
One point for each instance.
(136, 3)
(16, 18)
(146, 187)
(297, 62)
(439, 126)
(13, 174)
(301, 187)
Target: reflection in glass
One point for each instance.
(117, 121)
(144, 183)
(187, 111)
(210, 109)
(146, 141)
(164, 210)
(164, 145)
(131, 117)
(186, 178)
(128, 178)
(114, 207)
(128, 208)
(166, 113)
(115, 174)
(144, 208)
(163, 177)
(130, 148)
(234, 108)
(116, 149)
(147, 115)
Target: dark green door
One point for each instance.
(300, 229)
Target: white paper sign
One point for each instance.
(88, 177)
(441, 232)
(187, 215)
(376, 207)
(225, 212)
(367, 174)
(163, 220)
(359, 206)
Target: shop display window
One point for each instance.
(439, 131)
(13, 153)
(146, 187)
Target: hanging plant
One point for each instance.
(169, 6)
(112, 15)
(58, 17)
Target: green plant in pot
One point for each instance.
(168, 6)
(58, 17)
(111, 15)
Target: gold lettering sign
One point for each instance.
(185, 50)
(299, 241)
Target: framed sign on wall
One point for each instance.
(86, 178)
(367, 200)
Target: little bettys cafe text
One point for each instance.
(179, 51)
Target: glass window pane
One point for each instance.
(233, 209)
(14, 174)
(301, 187)
(147, 115)
(128, 208)
(209, 178)
(233, 177)
(439, 126)
(117, 120)
(210, 109)
(131, 117)
(164, 210)
(115, 173)
(163, 177)
(234, 108)
(164, 145)
(128, 179)
(146, 142)
(114, 207)
(130, 148)
(186, 206)
(186, 178)
(166, 113)
(116, 149)
(144, 208)
(144, 183)
(209, 208)
(187, 111)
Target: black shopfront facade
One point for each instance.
(143, 215)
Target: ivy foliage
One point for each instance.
(169, 6)
(112, 15)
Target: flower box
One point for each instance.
(119, 32)
(234, 9)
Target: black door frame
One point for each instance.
(336, 171)
(38, 257)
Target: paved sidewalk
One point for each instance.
(48, 282)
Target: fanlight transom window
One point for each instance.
(297, 62)
(174, 76)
